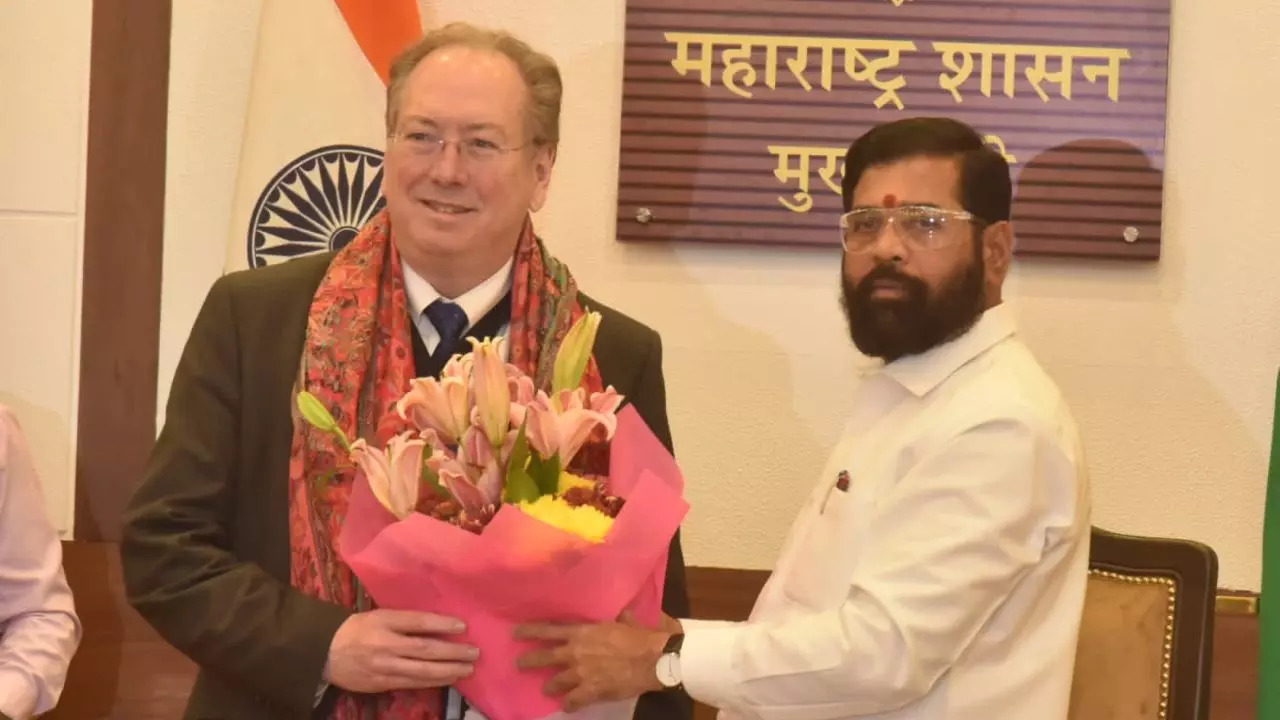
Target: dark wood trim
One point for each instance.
(123, 250)
(123, 669)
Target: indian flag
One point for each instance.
(310, 172)
(1269, 612)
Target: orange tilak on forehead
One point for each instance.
(890, 200)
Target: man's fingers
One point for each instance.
(544, 657)
(405, 674)
(545, 631)
(419, 623)
(562, 683)
(429, 648)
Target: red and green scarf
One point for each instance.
(358, 360)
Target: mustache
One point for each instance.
(915, 287)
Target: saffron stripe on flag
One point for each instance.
(382, 29)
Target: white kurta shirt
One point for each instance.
(947, 582)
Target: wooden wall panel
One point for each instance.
(123, 670)
(123, 250)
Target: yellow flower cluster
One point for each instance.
(568, 481)
(584, 520)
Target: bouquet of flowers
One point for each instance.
(477, 512)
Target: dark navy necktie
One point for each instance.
(450, 321)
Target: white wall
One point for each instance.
(1170, 367)
(44, 83)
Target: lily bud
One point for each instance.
(314, 412)
(492, 394)
(575, 352)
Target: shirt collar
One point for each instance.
(921, 373)
(476, 302)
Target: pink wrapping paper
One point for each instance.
(520, 569)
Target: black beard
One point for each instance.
(918, 321)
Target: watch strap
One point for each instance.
(674, 643)
(672, 647)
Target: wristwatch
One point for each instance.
(668, 668)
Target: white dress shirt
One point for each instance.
(948, 581)
(476, 302)
(39, 629)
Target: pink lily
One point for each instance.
(492, 411)
(607, 401)
(522, 394)
(474, 476)
(434, 441)
(458, 366)
(563, 427)
(394, 473)
(440, 405)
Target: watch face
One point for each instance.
(669, 670)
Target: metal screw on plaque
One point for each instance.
(1131, 234)
(644, 215)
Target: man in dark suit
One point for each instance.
(213, 544)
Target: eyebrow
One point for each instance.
(469, 127)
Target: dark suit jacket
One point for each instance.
(205, 543)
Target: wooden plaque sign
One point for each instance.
(736, 114)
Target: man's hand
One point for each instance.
(384, 650)
(609, 661)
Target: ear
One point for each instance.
(997, 251)
(544, 160)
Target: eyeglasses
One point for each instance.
(922, 226)
(426, 145)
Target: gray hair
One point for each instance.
(540, 73)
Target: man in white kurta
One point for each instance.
(937, 570)
(948, 580)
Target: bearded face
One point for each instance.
(892, 314)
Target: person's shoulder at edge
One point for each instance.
(1023, 380)
(261, 299)
(307, 269)
(1008, 380)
